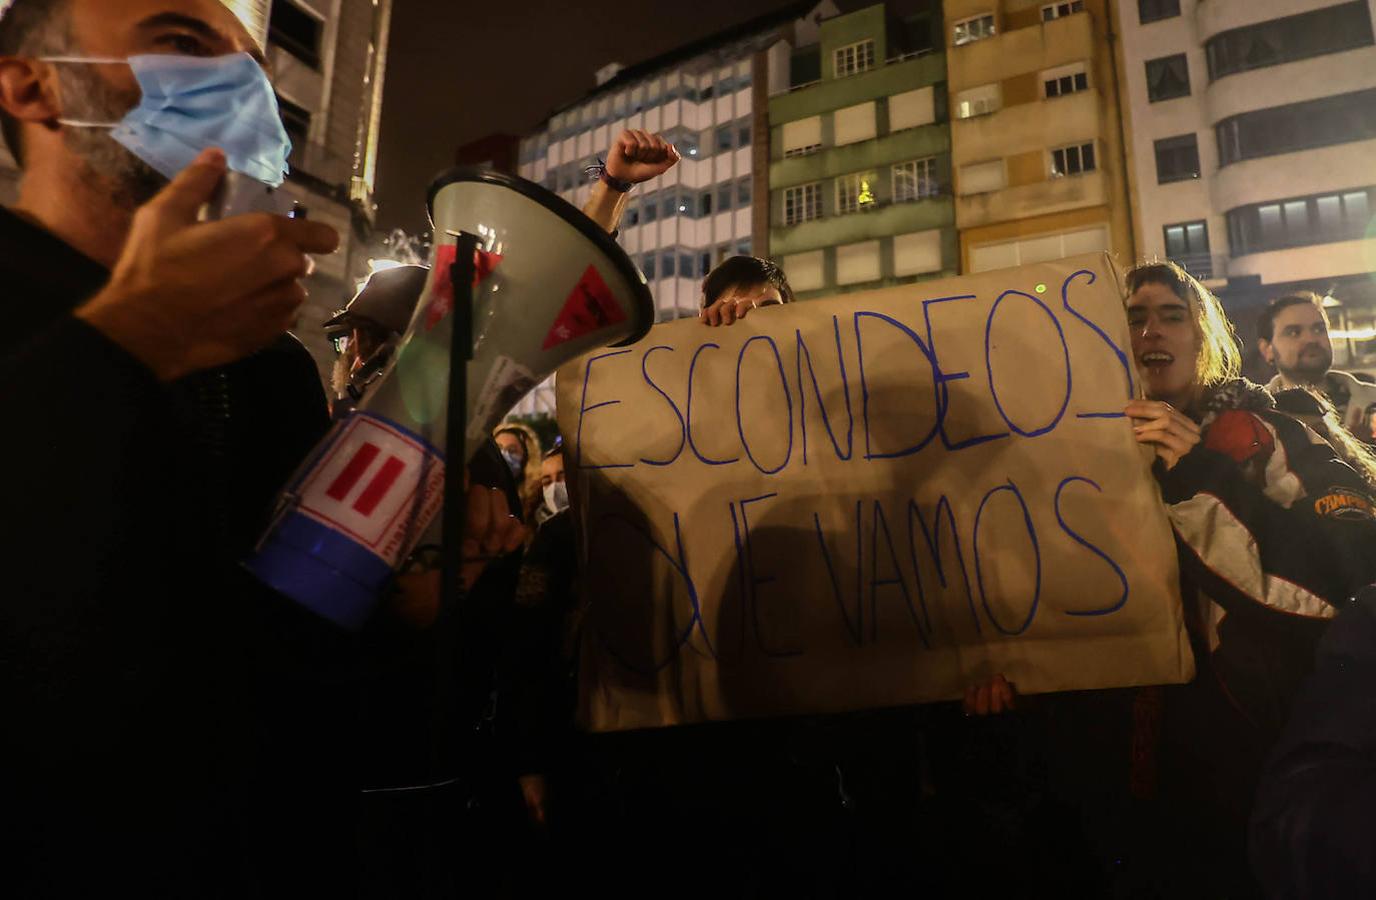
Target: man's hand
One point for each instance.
(1171, 433)
(637, 156)
(990, 698)
(492, 530)
(186, 296)
(736, 304)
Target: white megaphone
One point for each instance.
(546, 286)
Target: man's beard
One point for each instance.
(108, 166)
(1311, 368)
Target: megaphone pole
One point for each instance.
(461, 277)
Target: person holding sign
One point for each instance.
(1275, 534)
(740, 284)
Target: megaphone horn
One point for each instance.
(548, 286)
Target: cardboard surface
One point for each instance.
(867, 501)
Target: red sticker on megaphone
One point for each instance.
(484, 264)
(590, 307)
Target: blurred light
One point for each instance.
(1353, 334)
(1329, 301)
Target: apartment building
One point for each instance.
(1037, 141)
(860, 154)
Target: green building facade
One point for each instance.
(860, 161)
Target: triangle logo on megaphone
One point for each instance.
(590, 307)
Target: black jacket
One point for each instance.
(170, 724)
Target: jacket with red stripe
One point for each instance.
(1277, 533)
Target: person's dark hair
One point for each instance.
(29, 28)
(1266, 322)
(744, 271)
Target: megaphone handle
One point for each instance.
(461, 275)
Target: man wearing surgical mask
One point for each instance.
(172, 727)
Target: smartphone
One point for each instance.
(239, 194)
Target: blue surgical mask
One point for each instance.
(513, 462)
(191, 103)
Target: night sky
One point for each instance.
(458, 70)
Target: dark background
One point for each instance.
(458, 70)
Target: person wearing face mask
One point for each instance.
(173, 728)
(521, 449)
(1292, 336)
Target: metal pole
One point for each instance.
(461, 276)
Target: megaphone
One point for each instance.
(547, 285)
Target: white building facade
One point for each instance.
(1253, 139)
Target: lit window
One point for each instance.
(802, 203)
(978, 101)
(854, 58)
(976, 29)
(1073, 160)
(914, 180)
(854, 192)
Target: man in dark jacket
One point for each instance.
(169, 723)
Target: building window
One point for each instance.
(687, 266)
(1188, 244)
(976, 29)
(648, 267)
(632, 216)
(668, 204)
(666, 264)
(1073, 160)
(1155, 10)
(1332, 29)
(803, 203)
(296, 31)
(743, 190)
(1317, 219)
(914, 180)
(1168, 78)
(978, 101)
(1297, 126)
(723, 140)
(912, 108)
(918, 253)
(854, 124)
(1067, 80)
(649, 208)
(854, 58)
(724, 193)
(743, 134)
(297, 120)
(1057, 10)
(854, 192)
(743, 247)
(705, 203)
(805, 67)
(978, 178)
(1177, 159)
(802, 137)
(1037, 248)
(705, 262)
(723, 253)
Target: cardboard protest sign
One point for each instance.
(871, 500)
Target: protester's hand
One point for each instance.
(992, 697)
(535, 795)
(492, 530)
(637, 156)
(1171, 433)
(186, 296)
(734, 305)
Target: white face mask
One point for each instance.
(557, 496)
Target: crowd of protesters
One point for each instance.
(173, 728)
